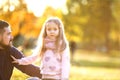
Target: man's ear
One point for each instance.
(0, 37)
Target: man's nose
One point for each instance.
(11, 37)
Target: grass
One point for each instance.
(17, 75)
(94, 66)
(94, 73)
(88, 66)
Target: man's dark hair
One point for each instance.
(3, 24)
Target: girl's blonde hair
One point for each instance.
(61, 42)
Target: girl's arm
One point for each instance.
(25, 60)
(30, 70)
(65, 64)
(29, 59)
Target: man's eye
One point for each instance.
(8, 33)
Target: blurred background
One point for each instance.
(91, 26)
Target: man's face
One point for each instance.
(6, 37)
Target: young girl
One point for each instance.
(53, 51)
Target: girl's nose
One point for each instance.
(52, 31)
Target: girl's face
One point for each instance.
(52, 30)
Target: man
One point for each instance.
(6, 50)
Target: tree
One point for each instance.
(93, 22)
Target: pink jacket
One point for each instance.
(56, 66)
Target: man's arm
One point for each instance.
(30, 70)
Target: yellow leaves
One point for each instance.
(52, 12)
(15, 21)
(74, 33)
(115, 36)
(83, 19)
(30, 32)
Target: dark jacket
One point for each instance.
(6, 65)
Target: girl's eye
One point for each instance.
(49, 29)
(55, 29)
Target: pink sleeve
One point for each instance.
(65, 64)
(27, 60)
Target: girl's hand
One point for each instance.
(15, 60)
